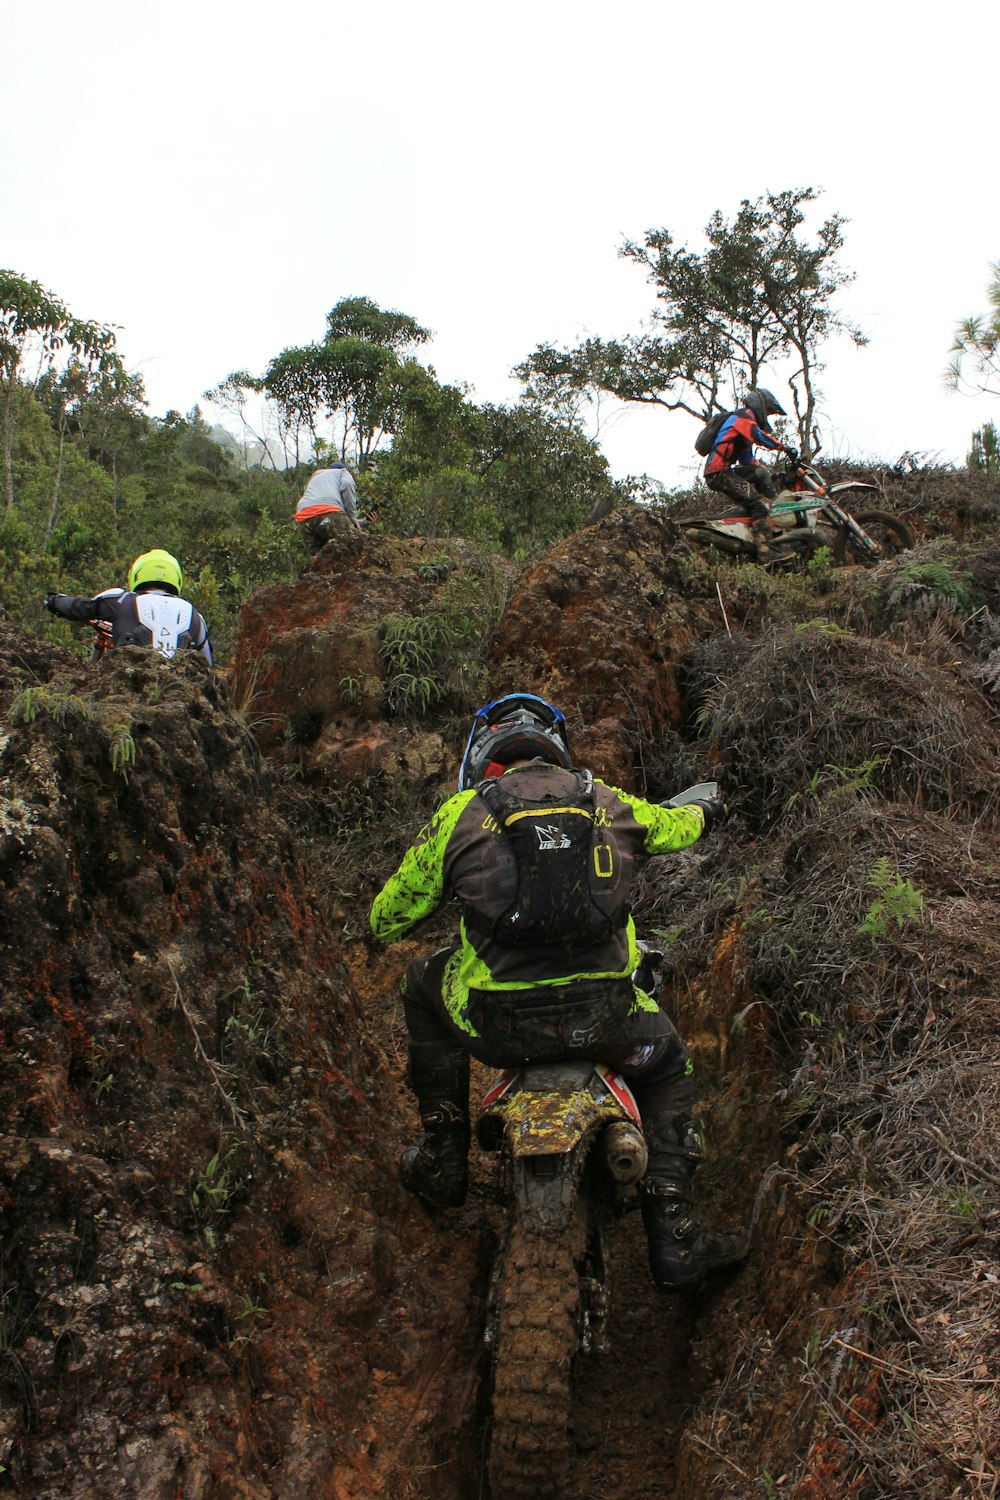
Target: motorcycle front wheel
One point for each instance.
(537, 1337)
(892, 535)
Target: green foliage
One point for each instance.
(97, 480)
(830, 782)
(30, 702)
(102, 1055)
(412, 650)
(249, 1315)
(447, 502)
(942, 578)
(437, 660)
(829, 628)
(896, 900)
(912, 584)
(36, 324)
(352, 382)
(122, 749)
(212, 1192)
(984, 456)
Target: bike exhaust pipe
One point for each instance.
(624, 1153)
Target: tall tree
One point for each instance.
(975, 363)
(349, 384)
(361, 318)
(759, 294)
(111, 422)
(984, 455)
(37, 326)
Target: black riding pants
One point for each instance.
(747, 484)
(551, 1024)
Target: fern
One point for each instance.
(896, 900)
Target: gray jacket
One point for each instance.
(329, 489)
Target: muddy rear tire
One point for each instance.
(538, 1331)
(892, 535)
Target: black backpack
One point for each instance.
(705, 441)
(569, 868)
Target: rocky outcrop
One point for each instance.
(599, 626)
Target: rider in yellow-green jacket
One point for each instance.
(541, 858)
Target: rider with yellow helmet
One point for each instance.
(150, 612)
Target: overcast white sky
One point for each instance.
(212, 177)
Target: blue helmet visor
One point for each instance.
(501, 708)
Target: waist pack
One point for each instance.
(705, 441)
(569, 868)
(589, 1018)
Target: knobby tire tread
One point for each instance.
(901, 536)
(537, 1332)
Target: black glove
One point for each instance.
(50, 603)
(793, 455)
(715, 811)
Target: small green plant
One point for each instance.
(830, 782)
(896, 900)
(122, 749)
(412, 648)
(248, 1316)
(33, 701)
(246, 1038)
(961, 1204)
(212, 1193)
(936, 575)
(820, 566)
(829, 628)
(102, 1054)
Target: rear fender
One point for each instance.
(549, 1116)
(725, 526)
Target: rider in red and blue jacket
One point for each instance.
(732, 469)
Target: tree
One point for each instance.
(35, 324)
(111, 422)
(985, 453)
(361, 318)
(542, 476)
(760, 293)
(233, 395)
(349, 384)
(975, 365)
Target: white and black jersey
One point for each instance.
(150, 618)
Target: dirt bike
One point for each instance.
(570, 1152)
(810, 514)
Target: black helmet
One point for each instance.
(518, 726)
(763, 404)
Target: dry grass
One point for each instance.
(861, 874)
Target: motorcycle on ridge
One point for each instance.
(570, 1154)
(810, 514)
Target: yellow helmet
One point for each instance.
(156, 567)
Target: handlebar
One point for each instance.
(703, 791)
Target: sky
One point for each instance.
(211, 178)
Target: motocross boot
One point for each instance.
(764, 535)
(682, 1252)
(438, 1169)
